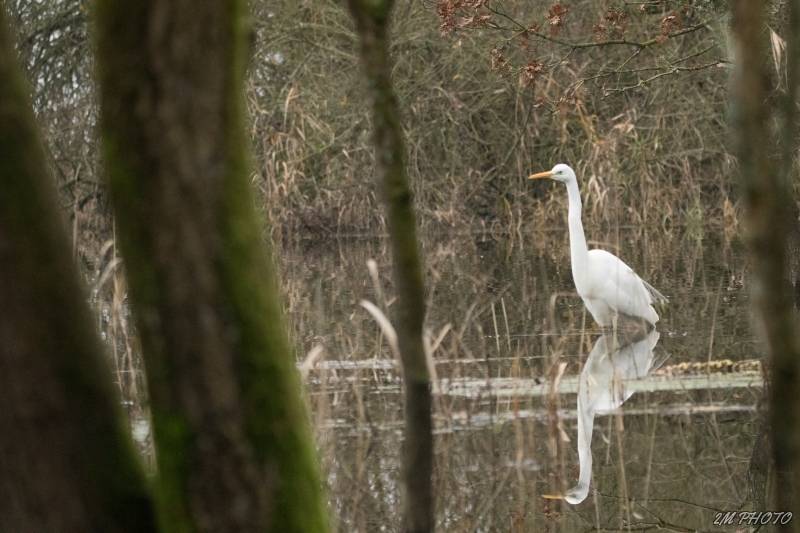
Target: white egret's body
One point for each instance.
(610, 289)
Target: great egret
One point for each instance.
(603, 389)
(611, 290)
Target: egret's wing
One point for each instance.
(616, 284)
(654, 294)
(658, 361)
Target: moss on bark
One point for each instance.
(66, 460)
(234, 447)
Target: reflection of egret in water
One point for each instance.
(602, 390)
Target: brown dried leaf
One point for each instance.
(499, 63)
(445, 10)
(446, 28)
(618, 21)
(668, 24)
(599, 31)
(557, 10)
(671, 21)
(480, 20)
(556, 17)
(531, 72)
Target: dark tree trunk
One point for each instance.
(372, 25)
(233, 445)
(66, 460)
(765, 200)
(759, 470)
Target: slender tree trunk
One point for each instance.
(66, 460)
(372, 25)
(765, 196)
(233, 444)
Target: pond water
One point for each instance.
(511, 340)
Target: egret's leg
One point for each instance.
(614, 332)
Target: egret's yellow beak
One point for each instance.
(547, 174)
(552, 496)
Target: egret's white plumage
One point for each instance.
(611, 290)
(603, 389)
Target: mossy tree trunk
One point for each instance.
(372, 26)
(765, 201)
(233, 444)
(66, 459)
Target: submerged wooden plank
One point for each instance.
(509, 387)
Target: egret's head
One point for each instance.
(560, 172)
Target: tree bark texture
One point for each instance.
(66, 460)
(372, 25)
(765, 201)
(233, 444)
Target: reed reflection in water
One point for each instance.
(510, 341)
(674, 454)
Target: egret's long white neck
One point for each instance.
(585, 429)
(579, 252)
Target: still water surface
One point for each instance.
(511, 340)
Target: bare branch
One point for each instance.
(610, 42)
(651, 79)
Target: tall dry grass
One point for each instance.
(654, 155)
